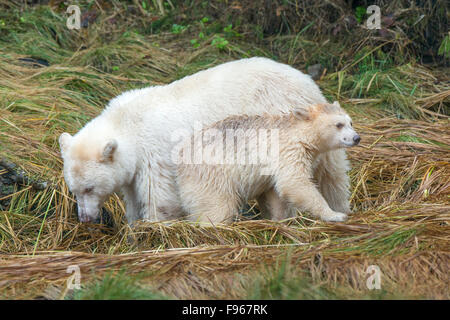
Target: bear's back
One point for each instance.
(236, 87)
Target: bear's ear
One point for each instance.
(108, 151)
(64, 142)
(303, 114)
(336, 104)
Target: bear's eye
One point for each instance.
(88, 190)
(351, 124)
(340, 125)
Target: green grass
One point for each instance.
(410, 137)
(280, 283)
(286, 282)
(283, 281)
(119, 286)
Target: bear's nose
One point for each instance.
(84, 219)
(356, 139)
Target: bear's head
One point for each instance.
(91, 171)
(329, 126)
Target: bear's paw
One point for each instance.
(335, 217)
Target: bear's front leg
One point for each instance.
(152, 196)
(331, 174)
(135, 197)
(299, 190)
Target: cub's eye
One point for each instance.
(340, 125)
(88, 190)
(351, 124)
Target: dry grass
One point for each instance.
(200, 273)
(400, 176)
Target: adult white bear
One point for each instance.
(128, 147)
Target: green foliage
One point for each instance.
(410, 137)
(444, 48)
(285, 282)
(360, 12)
(177, 29)
(230, 32)
(219, 42)
(118, 286)
(203, 21)
(221, 36)
(282, 284)
(389, 242)
(195, 43)
(38, 32)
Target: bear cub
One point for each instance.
(234, 161)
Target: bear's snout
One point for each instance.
(84, 218)
(356, 139)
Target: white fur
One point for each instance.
(214, 192)
(142, 123)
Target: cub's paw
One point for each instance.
(347, 210)
(335, 217)
(342, 207)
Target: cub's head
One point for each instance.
(330, 125)
(90, 171)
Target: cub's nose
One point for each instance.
(356, 139)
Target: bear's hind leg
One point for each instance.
(272, 206)
(206, 203)
(213, 208)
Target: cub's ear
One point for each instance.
(65, 140)
(336, 104)
(303, 114)
(108, 151)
